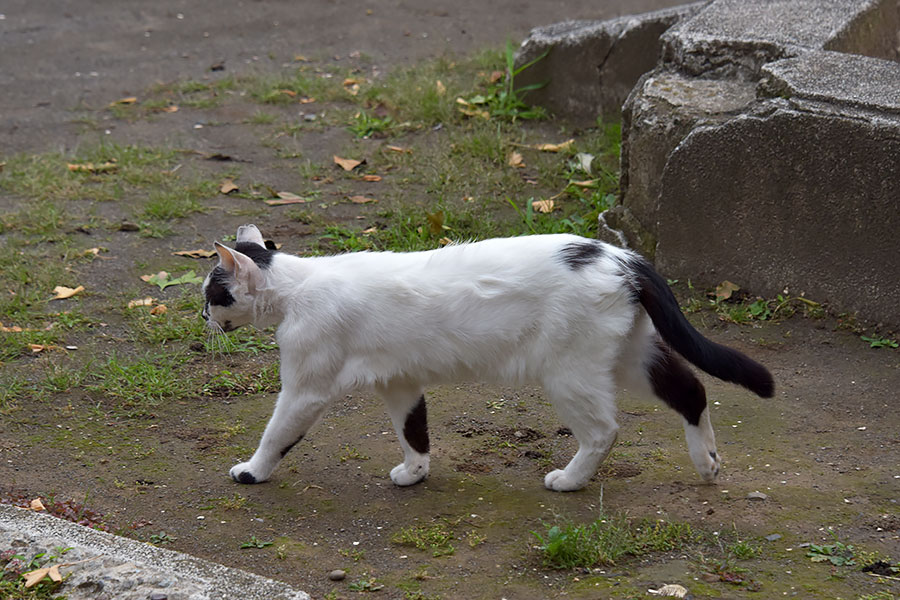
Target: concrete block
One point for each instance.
(793, 200)
(591, 66)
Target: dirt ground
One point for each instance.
(825, 452)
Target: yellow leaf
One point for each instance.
(400, 149)
(371, 178)
(148, 301)
(351, 86)
(515, 160)
(543, 206)
(307, 100)
(290, 93)
(159, 310)
(62, 292)
(370, 230)
(92, 168)
(170, 109)
(32, 578)
(347, 164)
(128, 100)
(228, 186)
(199, 253)
(361, 200)
(554, 147)
(440, 88)
(37, 505)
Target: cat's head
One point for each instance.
(232, 287)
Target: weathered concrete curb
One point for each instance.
(764, 148)
(118, 568)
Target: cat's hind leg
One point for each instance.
(406, 407)
(294, 415)
(588, 409)
(676, 385)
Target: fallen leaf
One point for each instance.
(436, 222)
(307, 100)
(170, 109)
(361, 200)
(554, 147)
(290, 93)
(583, 162)
(62, 292)
(300, 58)
(163, 279)
(470, 109)
(159, 310)
(32, 578)
(228, 186)
(444, 241)
(91, 252)
(515, 160)
(121, 101)
(725, 290)
(672, 590)
(440, 88)
(496, 76)
(351, 86)
(148, 301)
(106, 167)
(371, 178)
(37, 505)
(585, 183)
(370, 230)
(2, 164)
(13, 329)
(53, 573)
(286, 198)
(400, 149)
(347, 164)
(199, 253)
(543, 206)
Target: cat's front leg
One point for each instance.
(406, 406)
(294, 415)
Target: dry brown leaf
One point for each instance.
(496, 76)
(586, 183)
(400, 149)
(32, 578)
(347, 164)
(13, 329)
(300, 58)
(351, 86)
(444, 241)
(160, 275)
(62, 292)
(290, 93)
(543, 206)
(470, 110)
(286, 198)
(199, 253)
(53, 573)
(371, 178)
(106, 167)
(370, 230)
(228, 186)
(361, 200)
(170, 109)
(148, 301)
(159, 310)
(37, 505)
(440, 87)
(307, 100)
(515, 160)
(725, 289)
(554, 147)
(128, 100)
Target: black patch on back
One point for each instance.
(261, 256)
(676, 385)
(217, 293)
(578, 255)
(415, 430)
(289, 446)
(270, 245)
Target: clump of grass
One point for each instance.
(435, 538)
(609, 539)
(141, 383)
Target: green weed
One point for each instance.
(609, 539)
(255, 543)
(877, 341)
(435, 538)
(364, 125)
(369, 584)
(836, 553)
(141, 383)
(503, 100)
(15, 564)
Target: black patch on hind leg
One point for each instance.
(415, 430)
(578, 255)
(291, 445)
(245, 477)
(676, 385)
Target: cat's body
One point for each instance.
(574, 315)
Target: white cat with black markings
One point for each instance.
(577, 316)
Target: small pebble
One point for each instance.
(158, 596)
(337, 575)
(756, 496)
(773, 537)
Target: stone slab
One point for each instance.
(117, 568)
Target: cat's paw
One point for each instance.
(559, 481)
(707, 465)
(242, 473)
(404, 475)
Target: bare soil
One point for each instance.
(825, 451)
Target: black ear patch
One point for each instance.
(217, 293)
(270, 245)
(578, 255)
(261, 256)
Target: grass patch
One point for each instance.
(610, 539)
(434, 538)
(140, 384)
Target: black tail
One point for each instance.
(717, 360)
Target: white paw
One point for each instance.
(707, 465)
(404, 475)
(243, 473)
(559, 481)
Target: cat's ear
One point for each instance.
(240, 266)
(250, 234)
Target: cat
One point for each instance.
(580, 317)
